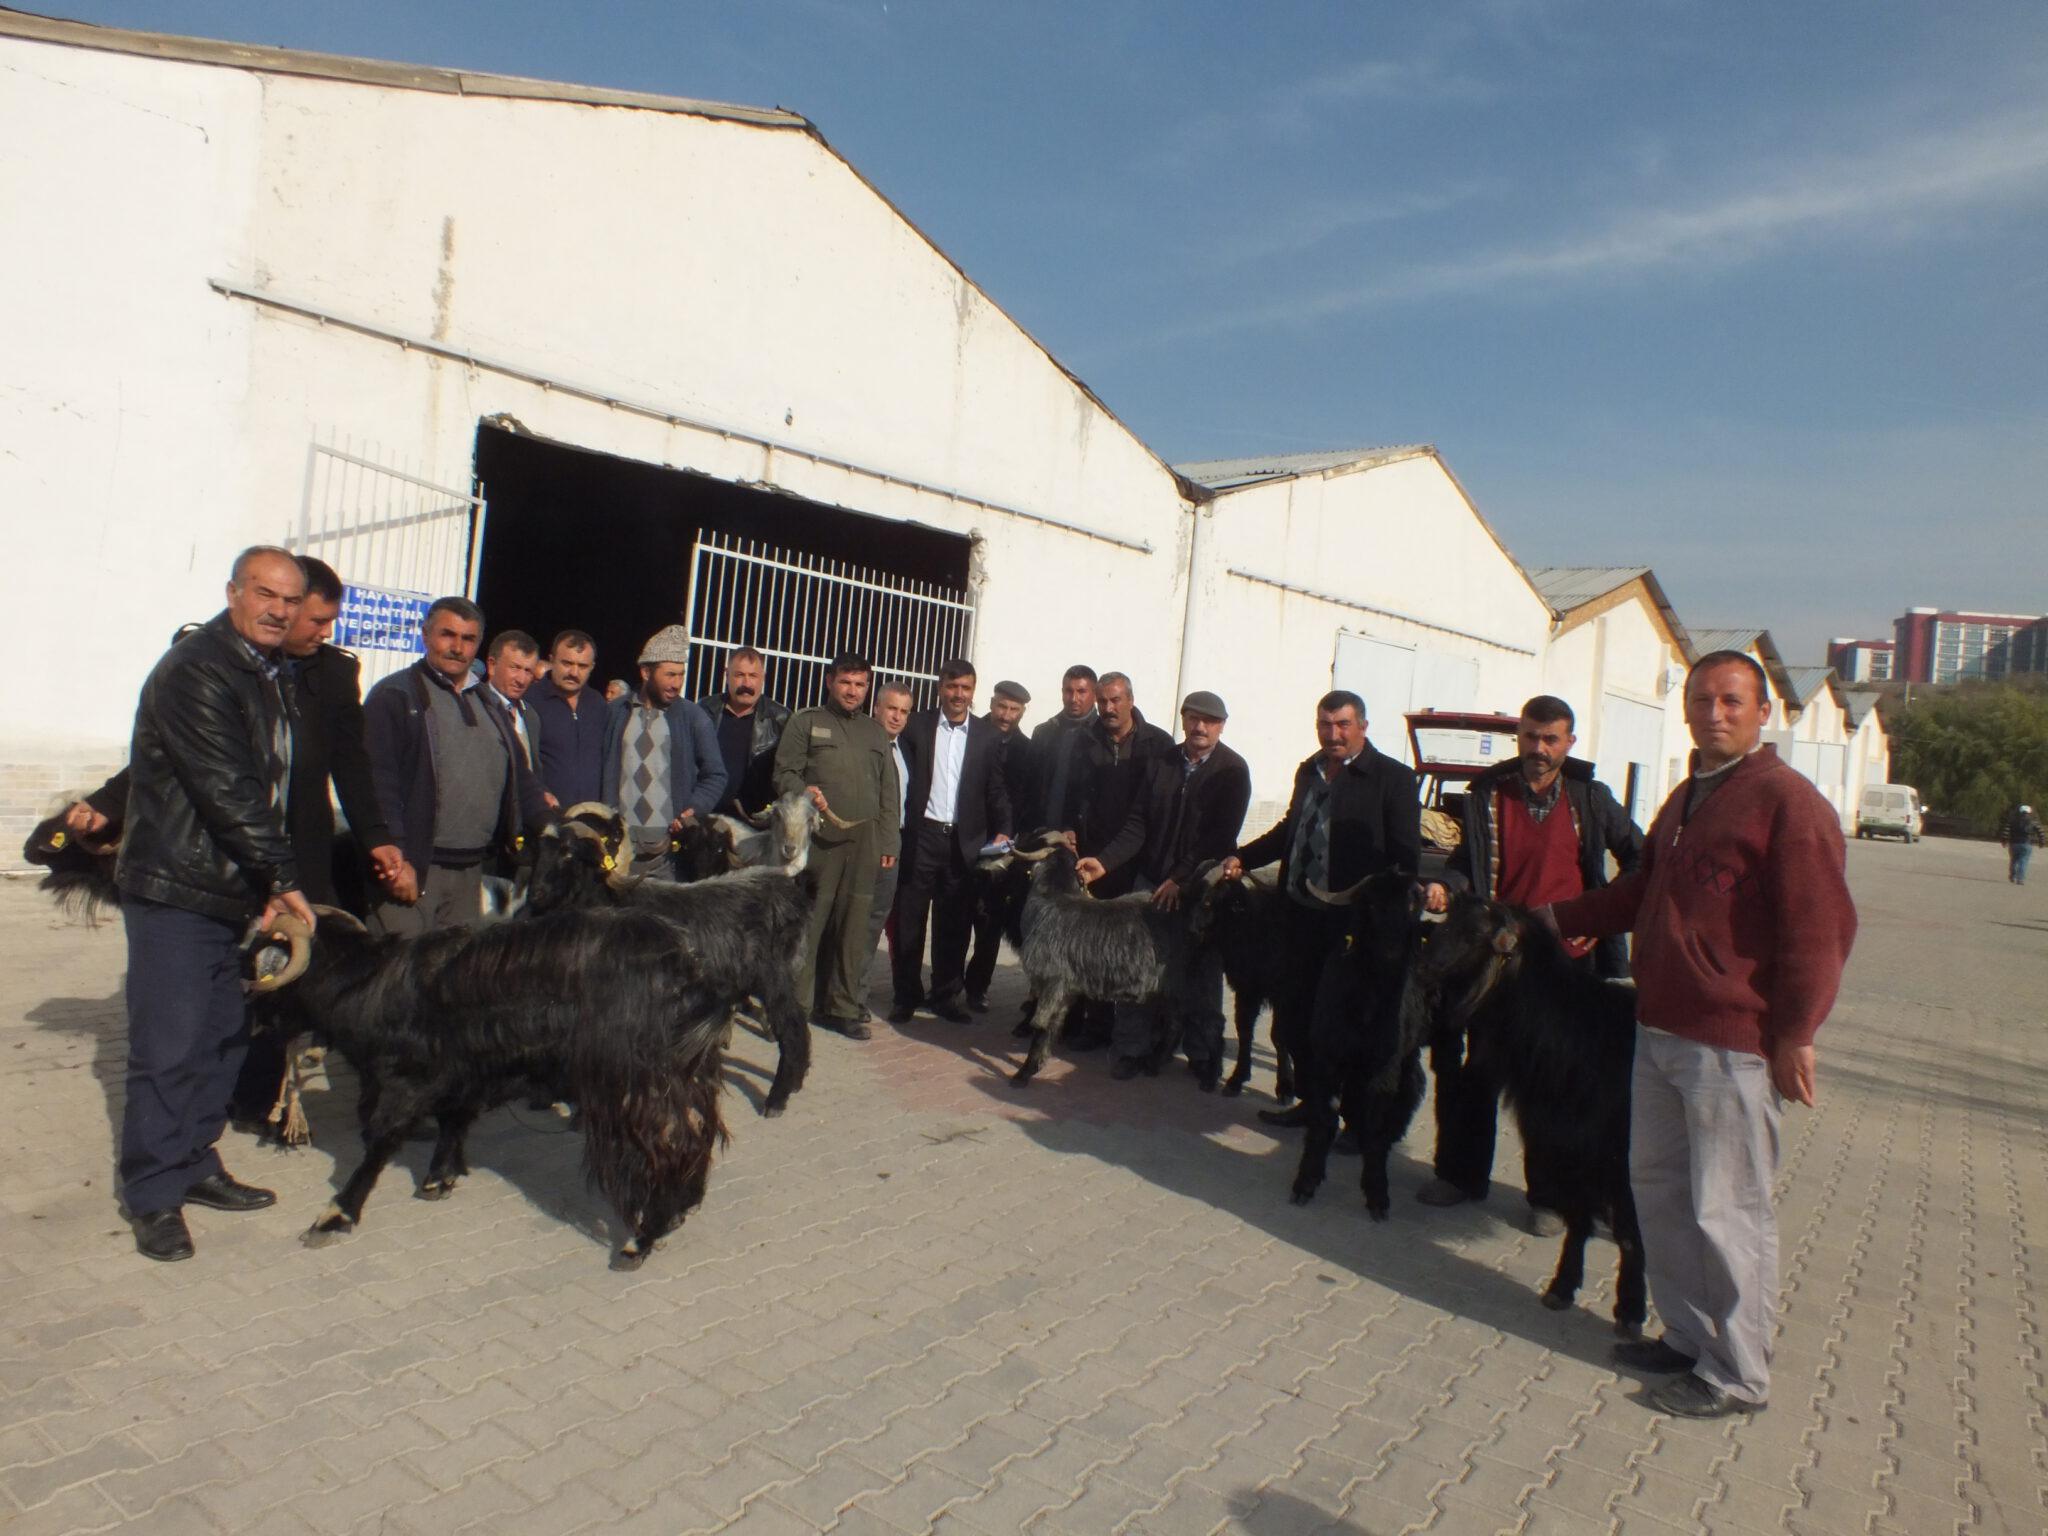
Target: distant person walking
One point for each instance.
(2022, 834)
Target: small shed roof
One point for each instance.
(1232, 474)
(1807, 682)
(1856, 703)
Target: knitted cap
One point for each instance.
(671, 644)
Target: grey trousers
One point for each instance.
(879, 906)
(449, 898)
(1703, 1151)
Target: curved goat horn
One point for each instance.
(1034, 855)
(300, 937)
(842, 824)
(1343, 898)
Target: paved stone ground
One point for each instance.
(923, 1301)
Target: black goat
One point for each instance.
(79, 867)
(742, 931)
(456, 1022)
(1246, 916)
(1366, 1037)
(1124, 950)
(1560, 1041)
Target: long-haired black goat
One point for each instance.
(1561, 1043)
(742, 930)
(456, 1022)
(1246, 917)
(78, 866)
(1124, 950)
(1366, 1037)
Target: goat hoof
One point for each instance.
(625, 1261)
(1557, 1301)
(1021, 1079)
(1378, 1212)
(1233, 1087)
(1302, 1196)
(435, 1189)
(1283, 1096)
(1629, 1327)
(327, 1230)
(771, 1110)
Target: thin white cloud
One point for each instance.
(1891, 192)
(1310, 225)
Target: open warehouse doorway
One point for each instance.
(576, 539)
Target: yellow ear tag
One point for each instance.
(519, 842)
(1350, 942)
(56, 840)
(610, 863)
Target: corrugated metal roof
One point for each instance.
(1807, 682)
(1565, 587)
(332, 66)
(1856, 703)
(1231, 474)
(1725, 639)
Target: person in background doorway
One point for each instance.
(661, 766)
(749, 727)
(843, 759)
(616, 689)
(452, 778)
(572, 719)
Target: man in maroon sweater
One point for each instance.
(1742, 924)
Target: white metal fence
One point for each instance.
(397, 539)
(799, 610)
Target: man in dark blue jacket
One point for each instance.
(661, 762)
(572, 721)
(452, 778)
(205, 850)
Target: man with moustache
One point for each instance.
(510, 667)
(892, 713)
(572, 719)
(205, 850)
(661, 765)
(957, 803)
(1537, 829)
(452, 778)
(1007, 703)
(1061, 751)
(749, 728)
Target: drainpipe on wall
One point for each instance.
(1198, 550)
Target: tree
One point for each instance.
(1975, 751)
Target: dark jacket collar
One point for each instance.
(221, 629)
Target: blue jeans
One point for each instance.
(2021, 853)
(187, 1034)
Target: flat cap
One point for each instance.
(1203, 702)
(670, 644)
(1009, 690)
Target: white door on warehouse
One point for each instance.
(1631, 739)
(1393, 678)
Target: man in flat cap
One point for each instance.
(661, 764)
(1188, 811)
(1006, 706)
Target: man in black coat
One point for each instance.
(956, 803)
(205, 851)
(1537, 829)
(1188, 811)
(1354, 812)
(994, 895)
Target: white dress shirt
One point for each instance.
(949, 754)
(902, 781)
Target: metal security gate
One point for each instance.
(398, 541)
(799, 610)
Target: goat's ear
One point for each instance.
(1505, 941)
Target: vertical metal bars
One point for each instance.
(799, 610)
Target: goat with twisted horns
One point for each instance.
(609, 1004)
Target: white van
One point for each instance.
(1889, 810)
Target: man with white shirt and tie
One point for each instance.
(956, 803)
(509, 670)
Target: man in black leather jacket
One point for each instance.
(205, 851)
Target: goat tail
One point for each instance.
(649, 1097)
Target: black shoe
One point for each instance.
(163, 1236)
(977, 1002)
(951, 1012)
(1653, 1356)
(1691, 1397)
(1125, 1068)
(1345, 1143)
(901, 1013)
(1292, 1119)
(223, 1192)
(1442, 1192)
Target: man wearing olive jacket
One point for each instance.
(1742, 924)
(204, 852)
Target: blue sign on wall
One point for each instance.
(372, 619)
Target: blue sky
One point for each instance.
(1753, 293)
